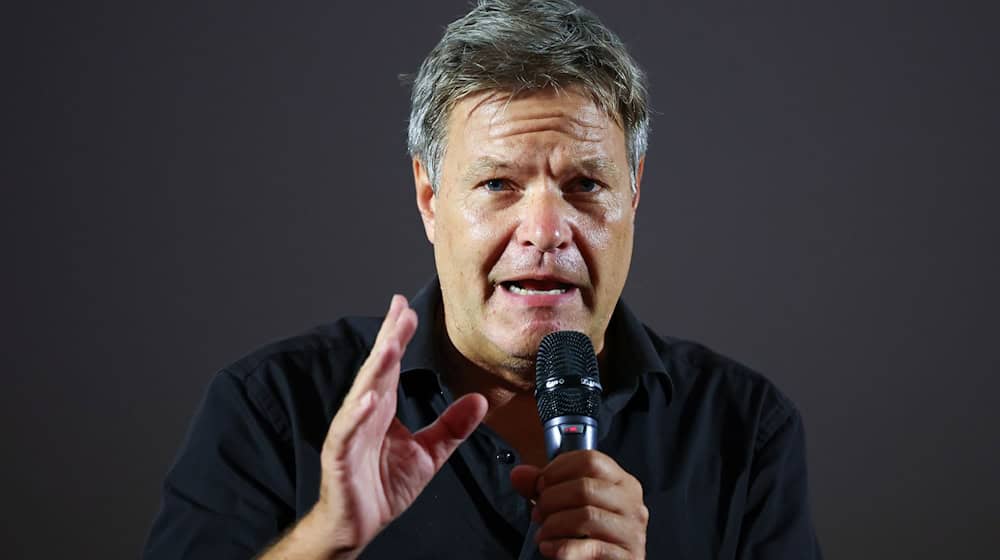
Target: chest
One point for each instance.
(470, 510)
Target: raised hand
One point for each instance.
(373, 468)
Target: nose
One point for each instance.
(544, 221)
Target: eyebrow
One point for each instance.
(597, 165)
(483, 166)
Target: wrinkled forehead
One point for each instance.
(565, 120)
(502, 107)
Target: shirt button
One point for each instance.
(506, 457)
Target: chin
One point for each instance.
(524, 345)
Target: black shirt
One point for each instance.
(719, 451)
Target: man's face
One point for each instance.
(532, 222)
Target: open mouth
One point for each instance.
(536, 287)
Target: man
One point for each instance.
(528, 135)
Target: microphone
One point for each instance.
(568, 395)
(567, 391)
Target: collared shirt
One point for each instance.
(720, 452)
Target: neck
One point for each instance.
(509, 392)
(498, 385)
(512, 413)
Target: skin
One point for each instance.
(536, 185)
(517, 197)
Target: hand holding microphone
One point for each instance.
(586, 505)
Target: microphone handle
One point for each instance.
(569, 433)
(562, 433)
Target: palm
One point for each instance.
(387, 478)
(374, 468)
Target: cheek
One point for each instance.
(607, 230)
(620, 234)
(607, 249)
(475, 236)
(479, 225)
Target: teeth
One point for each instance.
(525, 292)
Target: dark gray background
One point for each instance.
(185, 182)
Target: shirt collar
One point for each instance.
(422, 352)
(631, 353)
(632, 356)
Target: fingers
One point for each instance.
(583, 548)
(374, 382)
(586, 463)
(396, 342)
(589, 522)
(582, 492)
(396, 305)
(396, 332)
(589, 507)
(442, 437)
(347, 423)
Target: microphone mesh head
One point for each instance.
(566, 378)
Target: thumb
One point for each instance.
(524, 478)
(455, 424)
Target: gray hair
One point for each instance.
(523, 45)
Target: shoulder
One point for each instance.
(336, 342)
(706, 380)
(306, 375)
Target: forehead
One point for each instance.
(564, 120)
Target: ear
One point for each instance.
(426, 198)
(638, 183)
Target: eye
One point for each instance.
(495, 185)
(585, 185)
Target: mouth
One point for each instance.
(530, 287)
(536, 287)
